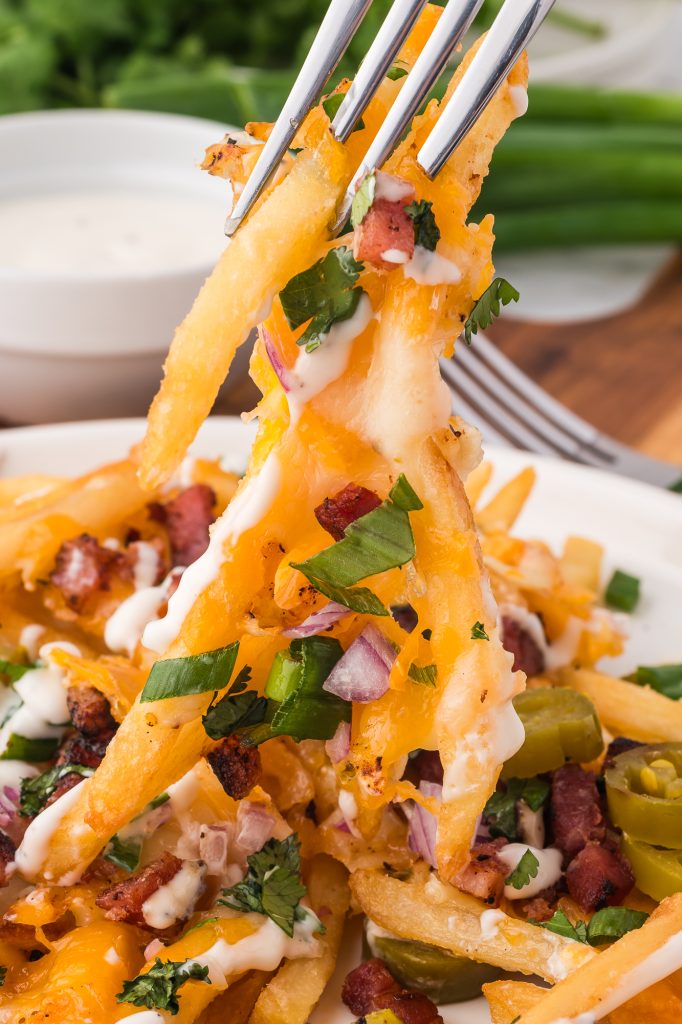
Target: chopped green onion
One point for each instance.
(622, 591)
(124, 853)
(198, 673)
(24, 748)
(396, 72)
(331, 108)
(12, 671)
(380, 540)
(363, 199)
(665, 679)
(611, 923)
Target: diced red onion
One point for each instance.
(214, 842)
(152, 948)
(255, 826)
(318, 621)
(338, 746)
(361, 675)
(284, 375)
(8, 805)
(421, 836)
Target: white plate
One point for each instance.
(641, 528)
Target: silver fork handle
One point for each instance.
(337, 29)
(456, 18)
(512, 30)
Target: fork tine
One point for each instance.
(513, 28)
(388, 40)
(337, 29)
(454, 21)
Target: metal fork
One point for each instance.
(514, 26)
(513, 410)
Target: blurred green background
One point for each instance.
(584, 166)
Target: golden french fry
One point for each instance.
(503, 510)
(630, 966)
(507, 1000)
(441, 915)
(284, 776)
(294, 991)
(235, 1005)
(626, 709)
(21, 495)
(477, 481)
(581, 563)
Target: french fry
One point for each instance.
(503, 510)
(235, 1005)
(507, 1000)
(626, 709)
(581, 563)
(477, 481)
(631, 965)
(295, 989)
(21, 495)
(440, 915)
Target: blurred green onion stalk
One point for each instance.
(584, 166)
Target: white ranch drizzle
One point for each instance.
(395, 256)
(429, 267)
(392, 188)
(314, 371)
(175, 900)
(549, 869)
(144, 1017)
(35, 706)
(490, 923)
(251, 502)
(29, 639)
(519, 97)
(32, 852)
(124, 628)
(146, 567)
(112, 957)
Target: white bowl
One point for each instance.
(76, 345)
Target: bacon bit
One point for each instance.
(385, 226)
(538, 909)
(428, 766)
(372, 987)
(7, 852)
(83, 567)
(577, 818)
(123, 901)
(485, 873)
(337, 513)
(90, 711)
(66, 783)
(599, 877)
(188, 518)
(516, 640)
(85, 750)
(236, 766)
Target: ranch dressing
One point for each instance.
(144, 1017)
(128, 230)
(175, 900)
(251, 502)
(32, 853)
(549, 869)
(427, 267)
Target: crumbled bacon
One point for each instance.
(337, 513)
(386, 227)
(83, 567)
(485, 873)
(577, 817)
(85, 750)
(540, 908)
(236, 766)
(123, 901)
(7, 852)
(598, 877)
(187, 520)
(528, 657)
(66, 783)
(372, 987)
(90, 711)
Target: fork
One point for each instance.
(515, 409)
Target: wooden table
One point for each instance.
(622, 373)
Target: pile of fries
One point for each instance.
(213, 671)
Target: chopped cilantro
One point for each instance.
(622, 591)
(239, 707)
(363, 199)
(427, 674)
(380, 540)
(487, 306)
(13, 672)
(124, 853)
(198, 673)
(272, 885)
(331, 108)
(395, 72)
(35, 792)
(478, 632)
(426, 231)
(561, 925)
(25, 748)
(607, 925)
(665, 679)
(157, 988)
(323, 294)
(500, 810)
(526, 869)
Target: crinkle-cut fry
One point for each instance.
(505, 507)
(438, 914)
(295, 989)
(631, 965)
(627, 709)
(107, 495)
